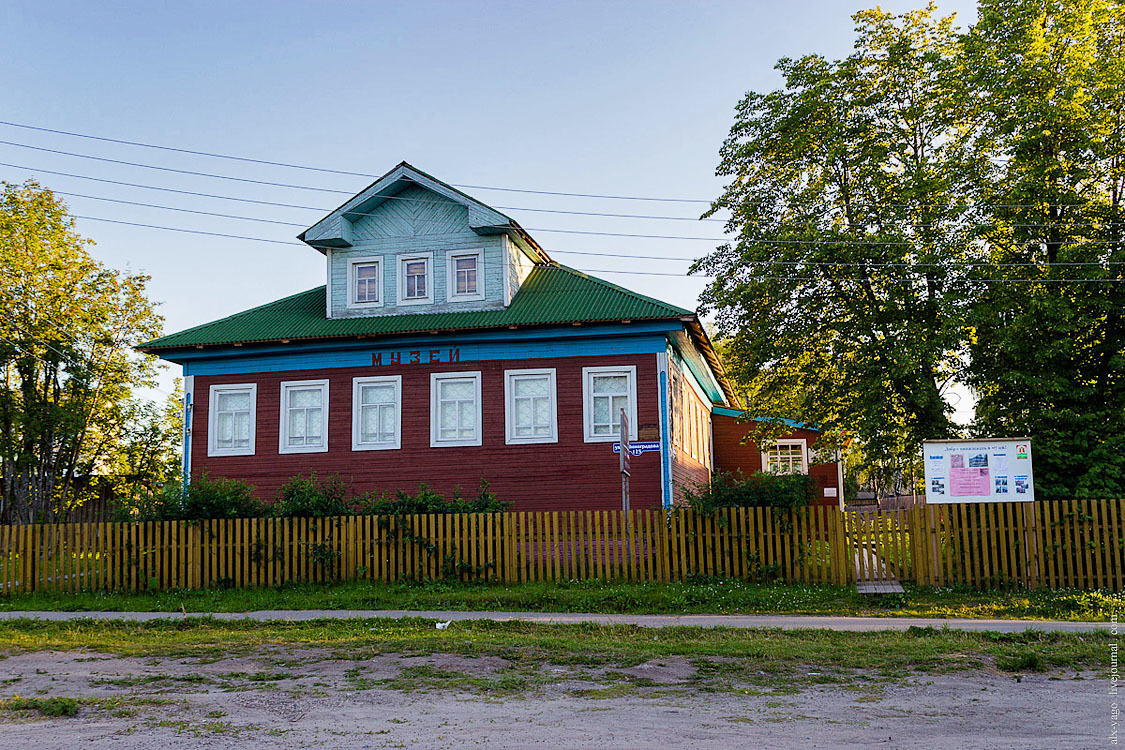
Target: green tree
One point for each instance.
(147, 455)
(843, 298)
(1048, 351)
(66, 356)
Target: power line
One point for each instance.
(642, 273)
(192, 231)
(833, 243)
(600, 214)
(182, 210)
(982, 264)
(503, 208)
(341, 171)
(459, 185)
(177, 171)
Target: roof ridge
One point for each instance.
(618, 288)
(546, 297)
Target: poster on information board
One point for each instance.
(978, 471)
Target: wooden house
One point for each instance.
(445, 347)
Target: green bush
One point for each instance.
(301, 497)
(314, 497)
(212, 498)
(428, 501)
(726, 490)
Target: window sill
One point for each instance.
(216, 453)
(470, 443)
(376, 446)
(532, 441)
(418, 301)
(318, 449)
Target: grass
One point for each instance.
(528, 645)
(709, 596)
(53, 707)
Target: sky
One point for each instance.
(608, 98)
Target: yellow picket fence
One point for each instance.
(510, 547)
(1066, 544)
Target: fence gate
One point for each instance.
(879, 544)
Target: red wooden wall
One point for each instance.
(732, 456)
(568, 475)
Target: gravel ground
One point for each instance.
(308, 699)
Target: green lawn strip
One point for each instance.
(701, 597)
(768, 651)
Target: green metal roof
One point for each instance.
(551, 294)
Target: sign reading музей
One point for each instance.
(415, 356)
(978, 471)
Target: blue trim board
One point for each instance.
(665, 443)
(740, 414)
(443, 339)
(423, 350)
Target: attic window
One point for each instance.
(415, 279)
(464, 275)
(365, 282)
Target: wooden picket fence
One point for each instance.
(1067, 544)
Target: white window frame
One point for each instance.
(435, 425)
(357, 413)
(213, 423)
(283, 423)
(353, 303)
(510, 437)
(451, 277)
(588, 373)
(789, 442)
(401, 274)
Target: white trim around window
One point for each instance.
(455, 409)
(308, 413)
(377, 405)
(427, 279)
(603, 428)
(530, 407)
(788, 447)
(475, 275)
(230, 430)
(368, 262)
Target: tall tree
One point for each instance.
(147, 455)
(843, 298)
(1048, 351)
(66, 355)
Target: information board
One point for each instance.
(978, 471)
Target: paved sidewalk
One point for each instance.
(784, 622)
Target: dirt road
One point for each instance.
(312, 699)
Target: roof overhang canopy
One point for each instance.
(335, 229)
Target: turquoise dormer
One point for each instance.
(409, 243)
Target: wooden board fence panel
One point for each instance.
(1071, 543)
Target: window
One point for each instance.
(605, 392)
(365, 282)
(415, 282)
(304, 417)
(230, 421)
(376, 413)
(455, 412)
(465, 277)
(530, 412)
(785, 457)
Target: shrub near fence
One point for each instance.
(1072, 544)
